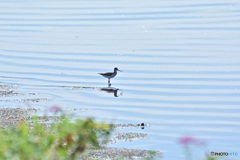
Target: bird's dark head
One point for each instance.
(116, 69)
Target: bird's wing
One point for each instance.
(106, 74)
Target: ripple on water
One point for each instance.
(180, 63)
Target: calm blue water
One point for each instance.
(180, 62)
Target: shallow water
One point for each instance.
(180, 63)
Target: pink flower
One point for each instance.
(55, 109)
(187, 140)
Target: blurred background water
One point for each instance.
(180, 62)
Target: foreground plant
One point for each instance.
(189, 143)
(62, 140)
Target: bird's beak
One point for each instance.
(119, 70)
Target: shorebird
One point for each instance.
(110, 75)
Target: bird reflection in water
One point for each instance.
(110, 89)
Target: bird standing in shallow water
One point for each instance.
(110, 75)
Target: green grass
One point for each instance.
(63, 140)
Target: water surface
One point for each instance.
(180, 62)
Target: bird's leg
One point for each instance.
(109, 84)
